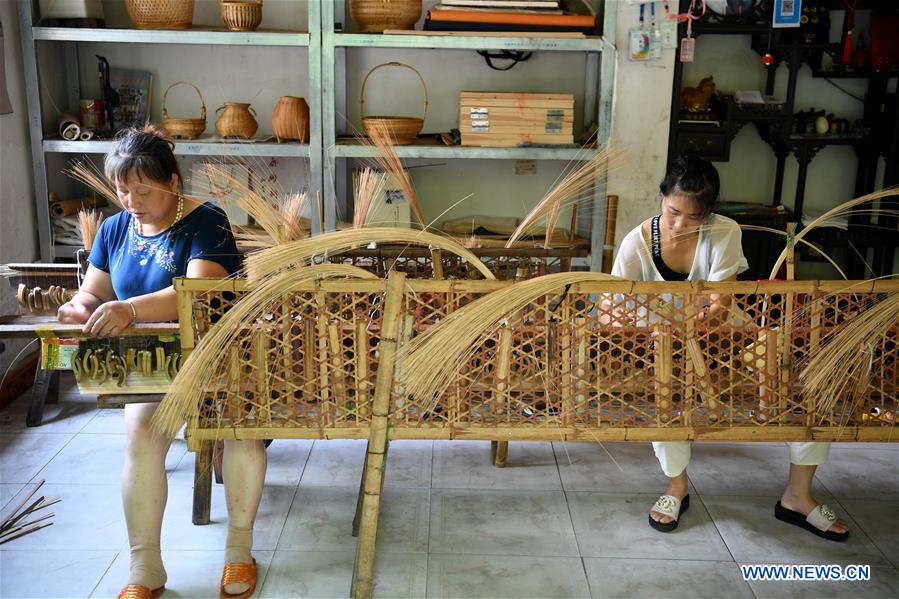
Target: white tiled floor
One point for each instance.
(561, 520)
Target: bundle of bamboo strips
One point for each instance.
(433, 359)
(204, 366)
(840, 368)
(264, 263)
(368, 189)
(89, 223)
(91, 176)
(16, 525)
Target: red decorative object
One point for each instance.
(768, 59)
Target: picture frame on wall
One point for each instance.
(786, 13)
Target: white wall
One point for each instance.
(640, 124)
(18, 233)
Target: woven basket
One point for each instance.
(184, 128)
(241, 16)
(161, 14)
(374, 16)
(403, 129)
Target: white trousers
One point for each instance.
(675, 455)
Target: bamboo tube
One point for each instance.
(377, 446)
(234, 400)
(609, 239)
(694, 353)
(768, 378)
(340, 395)
(502, 371)
(437, 263)
(322, 333)
(407, 328)
(308, 359)
(261, 344)
(580, 364)
(565, 374)
(662, 365)
(361, 370)
(811, 399)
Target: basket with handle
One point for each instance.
(244, 15)
(403, 129)
(184, 128)
(161, 14)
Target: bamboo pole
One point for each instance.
(377, 445)
(502, 391)
(308, 359)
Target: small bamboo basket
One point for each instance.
(184, 128)
(374, 16)
(161, 14)
(403, 129)
(241, 15)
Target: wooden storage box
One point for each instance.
(508, 119)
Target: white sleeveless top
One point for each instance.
(719, 253)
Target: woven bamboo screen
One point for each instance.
(570, 365)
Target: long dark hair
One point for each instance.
(147, 151)
(695, 178)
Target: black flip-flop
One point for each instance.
(821, 515)
(669, 526)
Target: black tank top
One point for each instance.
(667, 273)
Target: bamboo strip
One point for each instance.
(261, 343)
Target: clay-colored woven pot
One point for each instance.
(290, 120)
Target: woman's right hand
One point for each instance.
(73, 313)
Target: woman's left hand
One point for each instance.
(109, 320)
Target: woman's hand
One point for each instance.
(73, 313)
(109, 320)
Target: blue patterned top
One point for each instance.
(139, 264)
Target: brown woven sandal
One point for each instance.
(139, 591)
(238, 572)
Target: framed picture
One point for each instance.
(786, 13)
(133, 88)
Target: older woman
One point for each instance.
(160, 235)
(686, 241)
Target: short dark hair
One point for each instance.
(695, 178)
(147, 151)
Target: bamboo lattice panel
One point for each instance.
(569, 365)
(418, 263)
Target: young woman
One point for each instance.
(160, 235)
(687, 242)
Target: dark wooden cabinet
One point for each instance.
(866, 249)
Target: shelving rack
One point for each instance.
(600, 73)
(326, 152)
(43, 139)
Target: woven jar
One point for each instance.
(236, 120)
(241, 16)
(161, 14)
(374, 16)
(290, 120)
